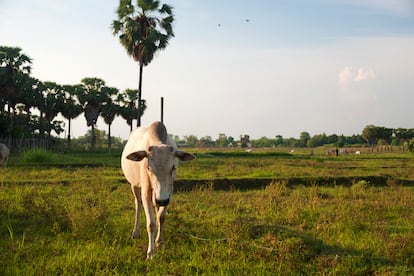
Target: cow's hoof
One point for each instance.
(135, 235)
(159, 245)
(150, 255)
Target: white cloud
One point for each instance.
(348, 75)
(355, 85)
(365, 74)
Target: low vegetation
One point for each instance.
(75, 216)
(38, 155)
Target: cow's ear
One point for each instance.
(184, 156)
(137, 156)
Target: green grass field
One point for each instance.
(73, 214)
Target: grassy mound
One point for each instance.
(38, 155)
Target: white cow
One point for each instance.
(149, 162)
(4, 155)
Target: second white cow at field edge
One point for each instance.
(4, 155)
(149, 162)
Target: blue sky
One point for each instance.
(321, 66)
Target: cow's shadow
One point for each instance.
(312, 247)
(282, 241)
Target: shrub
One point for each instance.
(38, 155)
(411, 145)
(359, 189)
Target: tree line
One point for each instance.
(29, 106)
(371, 136)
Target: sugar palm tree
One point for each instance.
(110, 109)
(71, 108)
(12, 64)
(53, 100)
(30, 96)
(128, 109)
(92, 97)
(143, 28)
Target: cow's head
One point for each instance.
(161, 167)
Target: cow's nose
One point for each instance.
(162, 203)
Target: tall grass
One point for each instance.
(38, 155)
(84, 228)
(76, 218)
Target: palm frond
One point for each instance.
(166, 24)
(163, 43)
(125, 8)
(116, 27)
(168, 20)
(148, 5)
(27, 69)
(166, 9)
(23, 58)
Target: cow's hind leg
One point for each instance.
(138, 206)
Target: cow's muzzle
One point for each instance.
(162, 203)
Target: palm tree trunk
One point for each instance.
(49, 131)
(41, 124)
(141, 66)
(14, 116)
(28, 120)
(109, 136)
(69, 134)
(9, 116)
(93, 137)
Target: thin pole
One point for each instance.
(162, 109)
(139, 107)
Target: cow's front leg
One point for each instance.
(138, 206)
(149, 215)
(162, 210)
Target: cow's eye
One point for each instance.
(172, 170)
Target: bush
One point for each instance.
(411, 145)
(38, 155)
